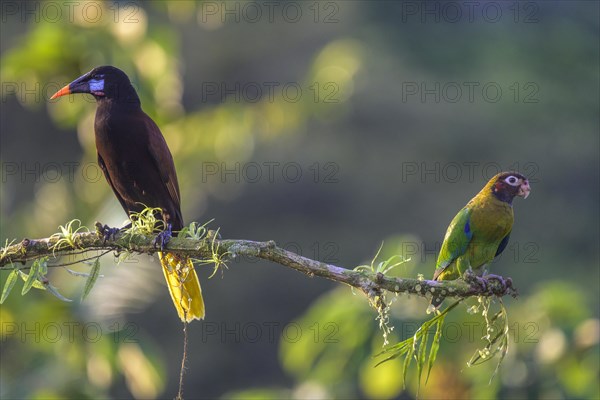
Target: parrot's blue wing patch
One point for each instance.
(502, 245)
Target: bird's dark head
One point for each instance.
(105, 82)
(506, 185)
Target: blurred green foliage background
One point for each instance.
(328, 127)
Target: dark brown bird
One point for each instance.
(139, 167)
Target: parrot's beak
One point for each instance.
(524, 189)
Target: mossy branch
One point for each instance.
(373, 284)
(206, 247)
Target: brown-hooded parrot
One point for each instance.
(480, 231)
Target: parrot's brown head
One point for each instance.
(506, 185)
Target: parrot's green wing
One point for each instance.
(457, 239)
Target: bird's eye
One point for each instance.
(512, 180)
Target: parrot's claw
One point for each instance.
(501, 281)
(482, 282)
(471, 277)
(506, 285)
(163, 238)
(106, 231)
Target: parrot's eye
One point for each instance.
(512, 180)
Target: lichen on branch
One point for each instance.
(211, 247)
(207, 247)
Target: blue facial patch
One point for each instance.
(96, 85)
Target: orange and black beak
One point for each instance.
(83, 84)
(524, 189)
(62, 92)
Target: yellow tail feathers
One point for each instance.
(183, 285)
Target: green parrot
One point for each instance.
(480, 231)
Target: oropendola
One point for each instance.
(138, 166)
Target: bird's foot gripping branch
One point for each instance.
(491, 284)
(31, 260)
